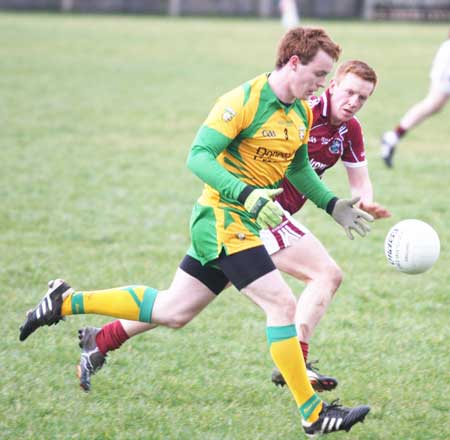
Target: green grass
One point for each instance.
(96, 117)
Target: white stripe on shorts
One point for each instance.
(286, 232)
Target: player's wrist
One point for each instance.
(245, 193)
(330, 205)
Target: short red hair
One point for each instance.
(358, 68)
(305, 43)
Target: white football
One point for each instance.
(412, 246)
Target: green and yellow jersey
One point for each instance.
(249, 138)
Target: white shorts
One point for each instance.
(283, 235)
(440, 69)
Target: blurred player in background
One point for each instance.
(437, 97)
(289, 13)
(253, 137)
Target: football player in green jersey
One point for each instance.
(254, 136)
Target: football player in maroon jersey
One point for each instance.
(336, 136)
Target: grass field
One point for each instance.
(96, 118)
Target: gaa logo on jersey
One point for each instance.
(269, 133)
(228, 114)
(335, 146)
(302, 133)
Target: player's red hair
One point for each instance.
(358, 68)
(305, 43)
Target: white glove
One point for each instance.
(351, 218)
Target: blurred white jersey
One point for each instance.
(440, 69)
(289, 13)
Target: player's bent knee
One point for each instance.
(332, 275)
(336, 276)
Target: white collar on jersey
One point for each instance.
(325, 104)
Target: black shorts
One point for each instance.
(241, 269)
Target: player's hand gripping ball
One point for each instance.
(412, 246)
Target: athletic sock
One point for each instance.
(131, 302)
(111, 336)
(286, 353)
(305, 350)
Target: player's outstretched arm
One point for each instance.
(361, 185)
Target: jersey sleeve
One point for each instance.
(224, 122)
(354, 154)
(301, 174)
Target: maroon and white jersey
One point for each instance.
(327, 144)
